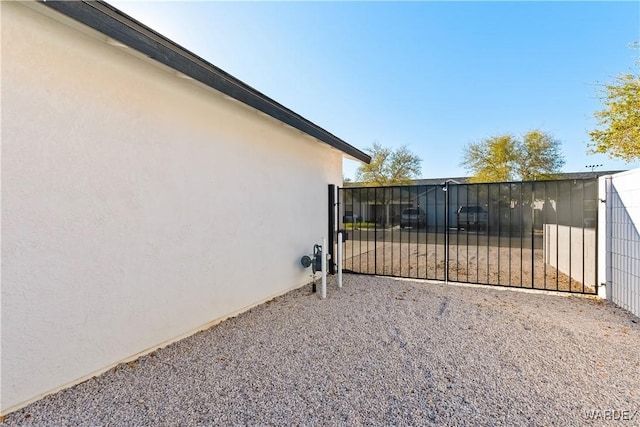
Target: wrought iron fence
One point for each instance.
(539, 235)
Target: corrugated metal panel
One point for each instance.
(623, 203)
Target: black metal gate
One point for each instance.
(538, 235)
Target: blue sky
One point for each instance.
(434, 76)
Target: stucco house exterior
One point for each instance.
(146, 194)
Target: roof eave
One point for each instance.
(115, 24)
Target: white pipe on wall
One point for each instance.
(324, 268)
(339, 260)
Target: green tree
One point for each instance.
(389, 166)
(619, 122)
(492, 159)
(500, 158)
(539, 156)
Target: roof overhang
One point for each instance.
(121, 28)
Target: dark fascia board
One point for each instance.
(117, 25)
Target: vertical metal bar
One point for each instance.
(544, 235)
(489, 217)
(446, 230)
(521, 206)
(477, 187)
(359, 230)
(331, 227)
(570, 232)
(510, 232)
(583, 242)
(418, 232)
(419, 239)
(365, 223)
(443, 197)
(533, 237)
(338, 222)
(499, 229)
(466, 196)
(400, 248)
(344, 253)
(345, 194)
(343, 199)
(352, 192)
(557, 236)
(375, 230)
(338, 260)
(408, 255)
(393, 192)
(353, 228)
(408, 191)
(426, 232)
(457, 236)
(437, 194)
(408, 236)
(453, 257)
(385, 201)
(382, 229)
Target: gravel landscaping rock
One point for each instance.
(379, 351)
(506, 266)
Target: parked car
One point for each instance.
(472, 216)
(413, 217)
(350, 217)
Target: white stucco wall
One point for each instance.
(137, 206)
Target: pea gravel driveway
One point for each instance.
(378, 352)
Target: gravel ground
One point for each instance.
(478, 264)
(380, 351)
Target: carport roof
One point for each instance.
(120, 27)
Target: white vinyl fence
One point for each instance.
(571, 250)
(622, 239)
